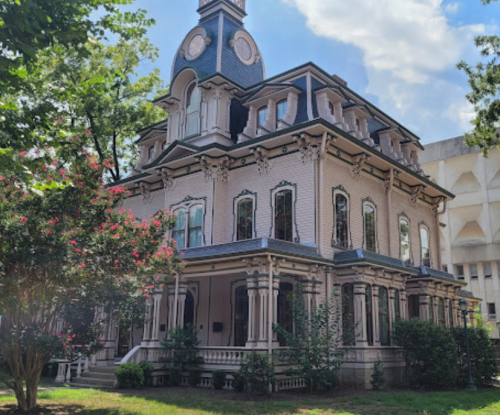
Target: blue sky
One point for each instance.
(399, 54)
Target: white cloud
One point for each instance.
(409, 48)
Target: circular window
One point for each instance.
(243, 49)
(196, 46)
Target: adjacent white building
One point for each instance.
(470, 229)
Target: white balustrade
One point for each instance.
(79, 367)
(239, 3)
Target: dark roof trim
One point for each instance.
(150, 127)
(230, 3)
(129, 179)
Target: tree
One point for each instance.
(65, 249)
(314, 346)
(484, 81)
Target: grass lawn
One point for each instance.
(205, 402)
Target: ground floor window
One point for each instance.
(285, 310)
(189, 310)
(348, 314)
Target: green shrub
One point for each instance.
(194, 377)
(183, 343)
(378, 376)
(175, 376)
(218, 379)
(147, 369)
(130, 376)
(256, 373)
(49, 370)
(482, 354)
(239, 382)
(430, 353)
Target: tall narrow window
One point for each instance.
(241, 317)
(450, 312)
(285, 310)
(151, 152)
(369, 315)
(341, 221)
(441, 312)
(404, 235)
(189, 310)
(397, 304)
(179, 231)
(487, 270)
(331, 108)
(245, 219)
(424, 247)
(370, 233)
(431, 309)
(281, 109)
(262, 116)
(193, 100)
(195, 226)
(283, 217)
(383, 313)
(473, 271)
(413, 306)
(348, 315)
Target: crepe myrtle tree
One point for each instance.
(67, 250)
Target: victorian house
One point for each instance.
(278, 181)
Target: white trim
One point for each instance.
(198, 30)
(219, 44)
(237, 200)
(375, 211)
(255, 56)
(273, 211)
(420, 227)
(187, 206)
(335, 239)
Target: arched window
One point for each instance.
(151, 152)
(245, 219)
(413, 306)
(370, 231)
(383, 315)
(240, 317)
(285, 310)
(348, 315)
(179, 231)
(450, 312)
(283, 215)
(404, 238)
(431, 309)
(369, 315)
(195, 226)
(193, 100)
(341, 221)
(189, 310)
(262, 117)
(397, 304)
(424, 246)
(331, 108)
(281, 109)
(441, 312)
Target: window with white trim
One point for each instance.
(283, 215)
(425, 252)
(473, 271)
(281, 110)
(341, 211)
(370, 225)
(151, 152)
(488, 272)
(404, 240)
(192, 108)
(245, 216)
(188, 229)
(262, 116)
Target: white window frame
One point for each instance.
(185, 108)
(400, 219)
(242, 196)
(280, 188)
(425, 227)
(372, 205)
(187, 205)
(341, 191)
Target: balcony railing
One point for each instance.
(239, 3)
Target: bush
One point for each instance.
(183, 345)
(482, 354)
(239, 382)
(430, 353)
(175, 376)
(256, 373)
(194, 378)
(378, 376)
(48, 371)
(130, 376)
(147, 369)
(218, 379)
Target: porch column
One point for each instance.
(338, 308)
(171, 305)
(392, 308)
(424, 307)
(181, 306)
(447, 312)
(252, 291)
(263, 312)
(360, 314)
(146, 337)
(376, 322)
(276, 292)
(155, 335)
(456, 313)
(472, 318)
(403, 299)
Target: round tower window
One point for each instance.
(243, 49)
(196, 46)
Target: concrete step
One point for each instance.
(98, 375)
(95, 381)
(103, 369)
(89, 386)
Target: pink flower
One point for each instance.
(49, 232)
(87, 132)
(73, 242)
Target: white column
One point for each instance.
(155, 335)
(424, 307)
(376, 322)
(403, 307)
(276, 292)
(146, 336)
(392, 310)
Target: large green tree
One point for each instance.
(484, 81)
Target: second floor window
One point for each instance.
(424, 247)
(283, 216)
(151, 153)
(331, 108)
(262, 117)
(188, 227)
(245, 219)
(341, 221)
(193, 100)
(404, 235)
(370, 234)
(281, 109)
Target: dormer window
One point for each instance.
(151, 152)
(358, 125)
(281, 109)
(262, 116)
(193, 100)
(331, 108)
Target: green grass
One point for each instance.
(200, 402)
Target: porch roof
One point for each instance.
(259, 245)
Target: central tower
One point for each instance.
(220, 44)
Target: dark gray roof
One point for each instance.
(252, 245)
(465, 293)
(359, 255)
(430, 272)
